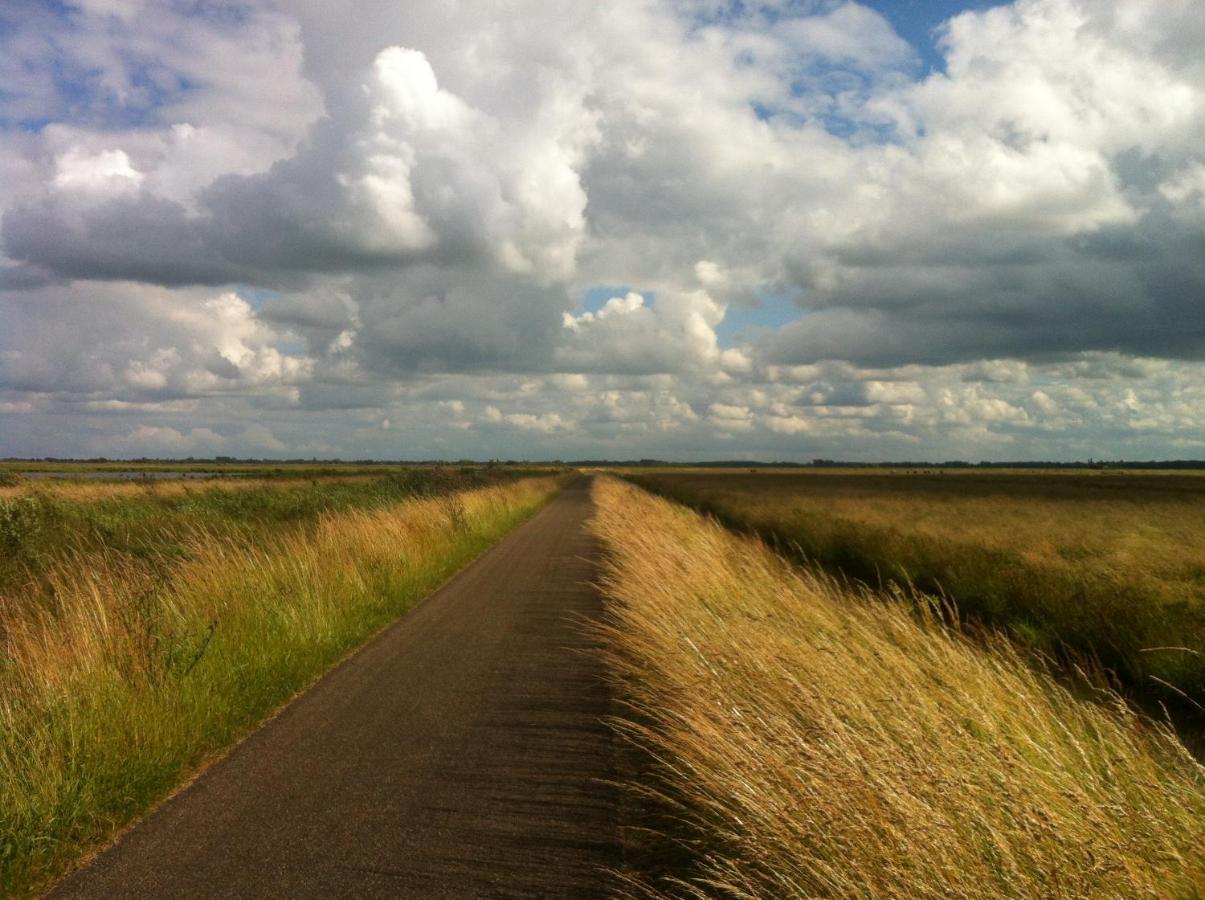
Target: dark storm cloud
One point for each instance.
(1140, 291)
(23, 277)
(133, 238)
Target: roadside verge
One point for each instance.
(122, 695)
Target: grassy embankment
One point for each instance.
(49, 525)
(85, 490)
(805, 739)
(207, 468)
(130, 657)
(1111, 565)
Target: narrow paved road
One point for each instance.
(459, 754)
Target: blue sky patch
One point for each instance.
(256, 297)
(743, 323)
(916, 20)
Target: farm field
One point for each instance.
(146, 627)
(798, 737)
(1106, 565)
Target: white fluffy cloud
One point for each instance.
(284, 214)
(186, 344)
(675, 333)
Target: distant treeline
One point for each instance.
(1024, 464)
(717, 464)
(949, 464)
(250, 461)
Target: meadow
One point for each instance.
(1103, 570)
(146, 628)
(797, 736)
(47, 524)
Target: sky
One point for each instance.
(684, 229)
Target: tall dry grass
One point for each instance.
(47, 527)
(84, 491)
(807, 742)
(111, 695)
(1109, 566)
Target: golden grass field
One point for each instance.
(85, 491)
(805, 739)
(1109, 564)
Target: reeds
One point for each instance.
(1106, 567)
(132, 677)
(85, 491)
(804, 741)
(46, 527)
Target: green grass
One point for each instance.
(43, 523)
(1095, 567)
(124, 679)
(265, 469)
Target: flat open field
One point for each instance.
(150, 513)
(779, 732)
(261, 469)
(1108, 563)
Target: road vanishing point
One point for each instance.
(460, 753)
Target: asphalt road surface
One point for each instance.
(461, 753)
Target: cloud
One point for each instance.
(155, 440)
(406, 215)
(107, 172)
(161, 441)
(408, 173)
(547, 423)
(185, 344)
(998, 222)
(675, 333)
